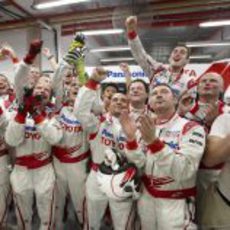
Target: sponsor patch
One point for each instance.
(198, 134)
(195, 142)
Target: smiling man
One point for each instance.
(105, 135)
(32, 132)
(174, 75)
(138, 92)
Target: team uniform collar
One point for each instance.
(168, 121)
(140, 111)
(178, 76)
(111, 119)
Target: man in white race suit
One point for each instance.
(104, 133)
(174, 147)
(174, 75)
(32, 132)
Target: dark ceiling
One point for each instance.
(162, 24)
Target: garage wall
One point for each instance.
(19, 40)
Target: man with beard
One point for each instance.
(174, 75)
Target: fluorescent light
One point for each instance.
(103, 32)
(215, 23)
(57, 3)
(117, 59)
(207, 44)
(207, 56)
(111, 49)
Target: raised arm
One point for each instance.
(86, 98)
(3, 121)
(50, 57)
(7, 51)
(22, 70)
(147, 63)
(74, 55)
(58, 83)
(125, 68)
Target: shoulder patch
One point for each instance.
(192, 83)
(197, 134)
(92, 136)
(102, 118)
(188, 126)
(221, 107)
(194, 109)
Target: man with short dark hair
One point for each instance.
(174, 75)
(138, 91)
(104, 135)
(108, 90)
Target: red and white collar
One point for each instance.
(168, 121)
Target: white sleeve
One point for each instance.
(134, 154)
(21, 80)
(221, 126)
(183, 163)
(83, 108)
(15, 133)
(50, 130)
(58, 83)
(147, 63)
(3, 122)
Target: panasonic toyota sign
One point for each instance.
(115, 74)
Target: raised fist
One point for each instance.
(46, 52)
(99, 74)
(76, 49)
(124, 67)
(80, 37)
(78, 42)
(131, 23)
(34, 50)
(7, 51)
(35, 47)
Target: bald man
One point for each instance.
(208, 104)
(204, 110)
